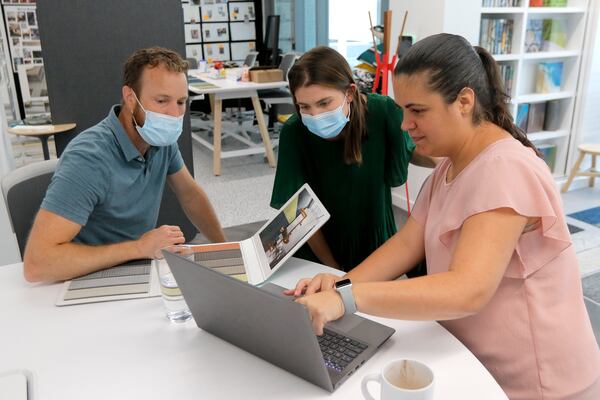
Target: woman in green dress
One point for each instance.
(349, 147)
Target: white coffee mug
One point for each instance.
(402, 380)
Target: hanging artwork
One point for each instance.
(23, 35)
(215, 32)
(239, 50)
(242, 11)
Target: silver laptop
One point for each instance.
(257, 318)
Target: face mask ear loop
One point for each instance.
(349, 109)
(141, 106)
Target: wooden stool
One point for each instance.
(41, 132)
(591, 149)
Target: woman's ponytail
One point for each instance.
(497, 111)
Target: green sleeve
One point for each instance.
(290, 173)
(399, 146)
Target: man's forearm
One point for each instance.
(69, 260)
(202, 214)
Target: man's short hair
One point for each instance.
(151, 57)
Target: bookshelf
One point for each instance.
(464, 17)
(526, 57)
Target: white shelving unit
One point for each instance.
(525, 67)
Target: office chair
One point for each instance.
(195, 115)
(192, 63)
(272, 97)
(23, 190)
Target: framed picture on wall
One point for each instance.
(191, 13)
(194, 51)
(243, 11)
(23, 34)
(243, 31)
(32, 80)
(192, 33)
(217, 52)
(218, 32)
(239, 50)
(215, 13)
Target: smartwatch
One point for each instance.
(344, 288)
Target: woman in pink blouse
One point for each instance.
(502, 275)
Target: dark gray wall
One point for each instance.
(84, 45)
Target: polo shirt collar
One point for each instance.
(130, 152)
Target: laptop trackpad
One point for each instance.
(346, 324)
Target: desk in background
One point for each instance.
(42, 132)
(222, 89)
(128, 350)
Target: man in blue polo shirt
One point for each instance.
(102, 205)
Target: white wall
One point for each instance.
(426, 18)
(590, 125)
(587, 119)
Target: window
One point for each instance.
(349, 26)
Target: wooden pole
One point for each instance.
(401, 32)
(372, 33)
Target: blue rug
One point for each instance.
(590, 216)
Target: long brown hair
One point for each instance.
(326, 67)
(453, 64)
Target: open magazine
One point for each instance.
(253, 260)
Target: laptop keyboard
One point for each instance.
(338, 350)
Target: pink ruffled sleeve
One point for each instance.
(522, 183)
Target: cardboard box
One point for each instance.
(263, 75)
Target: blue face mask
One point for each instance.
(159, 129)
(329, 124)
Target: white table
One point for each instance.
(128, 350)
(231, 89)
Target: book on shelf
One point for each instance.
(534, 35)
(548, 152)
(547, 3)
(554, 34)
(552, 119)
(507, 72)
(535, 117)
(500, 3)
(549, 76)
(496, 35)
(555, 3)
(538, 117)
(522, 115)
